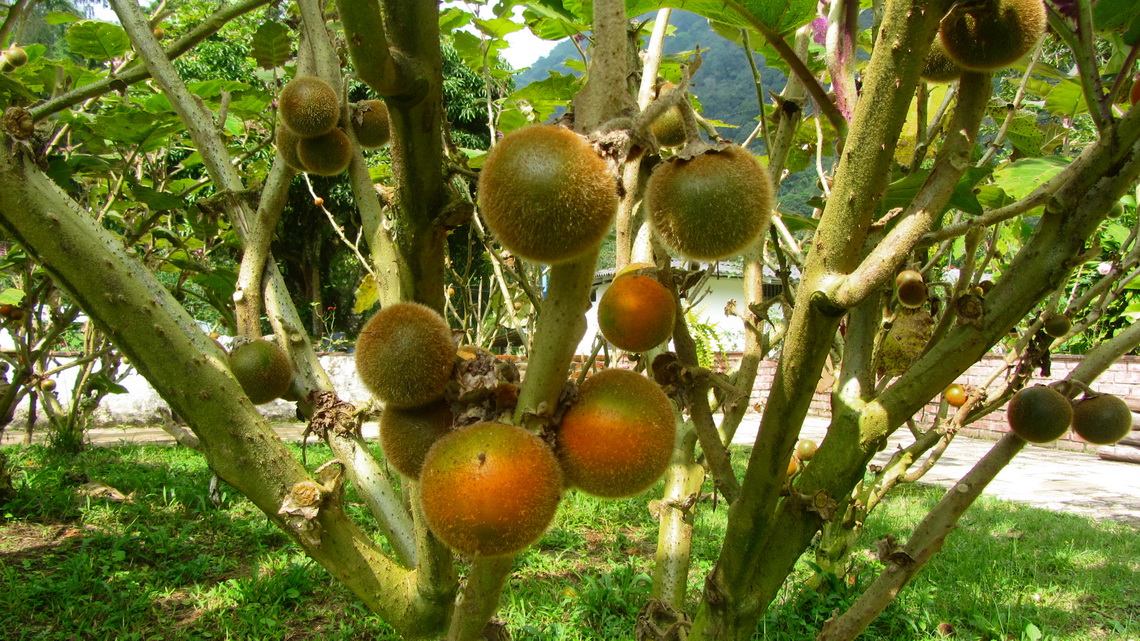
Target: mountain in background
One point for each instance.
(723, 85)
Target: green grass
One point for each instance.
(169, 564)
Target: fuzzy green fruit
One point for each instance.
(1102, 420)
(370, 124)
(405, 355)
(326, 155)
(309, 106)
(546, 195)
(407, 434)
(712, 206)
(263, 370)
(993, 34)
(1039, 414)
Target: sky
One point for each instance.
(525, 48)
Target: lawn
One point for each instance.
(167, 563)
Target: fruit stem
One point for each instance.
(480, 597)
(561, 325)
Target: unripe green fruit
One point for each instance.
(994, 34)
(287, 146)
(490, 489)
(1117, 210)
(1039, 414)
(546, 195)
(1057, 325)
(309, 106)
(1102, 419)
(636, 313)
(326, 155)
(806, 449)
(405, 355)
(16, 56)
(712, 206)
(263, 370)
(617, 438)
(47, 385)
(407, 434)
(911, 288)
(370, 124)
(669, 128)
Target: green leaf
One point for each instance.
(1020, 178)
(497, 28)
(154, 199)
(1121, 16)
(272, 45)
(11, 296)
(98, 40)
(453, 18)
(554, 20)
(796, 222)
(1066, 99)
(782, 16)
(103, 383)
(61, 17)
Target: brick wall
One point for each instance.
(1121, 379)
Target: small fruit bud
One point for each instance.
(318, 201)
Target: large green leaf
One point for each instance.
(1121, 16)
(12, 296)
(1020, 178)
(1067, 99)
(782, 16)
(97, 40)
(272, 45)
(901, 192)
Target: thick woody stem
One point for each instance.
(927, 540)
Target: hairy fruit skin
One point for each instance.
(407, 434)
(286, 142)
(370, 124)
(490, 489)
(405, 355)
(617, 438)
(940, 68)
(546, 195)
(993, 35)
(309, 106)
(325, 155)
(263, 370)
(1039, 414)
(712, 206)
(637, 313)
(1102, 419)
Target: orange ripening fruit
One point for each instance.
(955, 395)
(546, 194)
(636, 313)
(617, 438)
(490, 489)
(405, 355)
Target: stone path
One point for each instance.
(1073, 482)
(1059, 480)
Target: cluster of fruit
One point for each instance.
(311, 139)
(491, 488)
(11, 58)
(1041, 414)
(983, 36)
